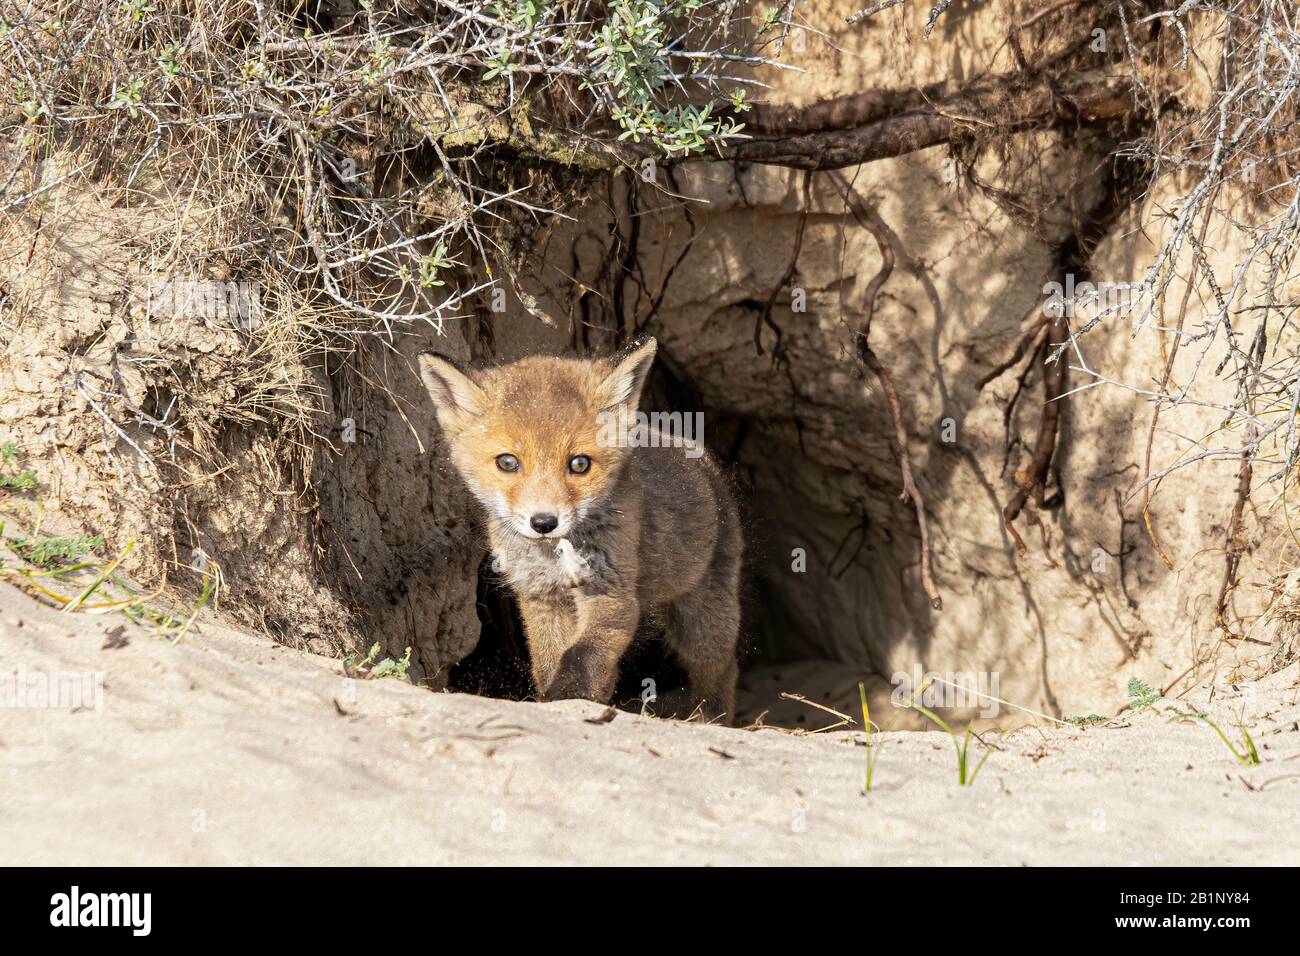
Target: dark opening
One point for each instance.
(499, 665)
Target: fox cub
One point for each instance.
(597, 537)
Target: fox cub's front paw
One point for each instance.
(582, 673)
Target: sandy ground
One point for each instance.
(228, 749)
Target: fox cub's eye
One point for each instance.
(507, 463)
(579, 464)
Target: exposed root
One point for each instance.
(1234, 546)
(1170, 356)
(1030, 338)
(869, 219)
(1006, 102)
(1033, 479)
(765, 315)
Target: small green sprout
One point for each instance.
(872, 751)
(371, 668)
(129, 97)
(1086, 719)
(136, 9)
(381, 62)
(20, 481)
(429, 268)
(965, 775)
(1140, 694)
(169, 59)
(500, 65)
(770, 20)
(55, 552)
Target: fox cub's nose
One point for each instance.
(544, 524)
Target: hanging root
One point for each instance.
(1235, 544)
(1033, 480)
(869, 219)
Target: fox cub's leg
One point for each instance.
(703, 632)
(577, 641)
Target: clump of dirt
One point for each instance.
(221, 447)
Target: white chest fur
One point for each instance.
(542, 567)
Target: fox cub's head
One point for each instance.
(525, 436)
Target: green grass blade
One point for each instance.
(99, 579)
(988, 751)
(866, 723)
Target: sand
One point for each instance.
(230, 749)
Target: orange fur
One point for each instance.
(641, 532)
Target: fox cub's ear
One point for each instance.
(624, 383)
(453, 392)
